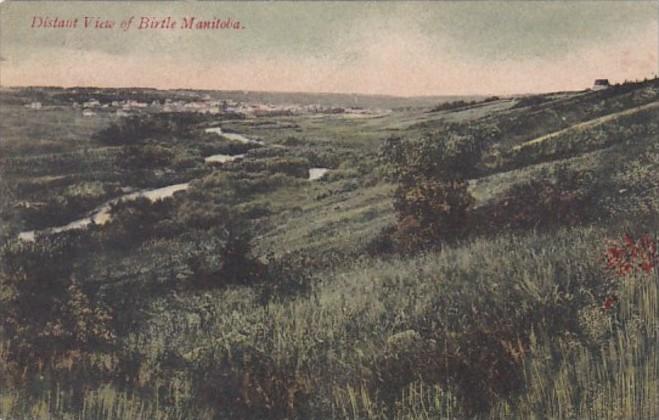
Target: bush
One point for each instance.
(135, 221)
(432, 198)
(430, 212)
(45, 311)
(535, 204)
(220, 258)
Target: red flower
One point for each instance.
(647, 266)
(624, 256)
(609, 302)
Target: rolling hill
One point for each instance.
(256, 292)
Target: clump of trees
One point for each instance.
(137, 128)
(432, 200)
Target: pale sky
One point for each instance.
(397, 48)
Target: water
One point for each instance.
(317, 173)
(223, 158)
(214, 130)
(101, 215)
(232, 136)
(27, 236)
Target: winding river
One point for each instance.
(101, 214)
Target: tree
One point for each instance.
(432, 198)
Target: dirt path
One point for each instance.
(587, 124)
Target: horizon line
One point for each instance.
(247, 91)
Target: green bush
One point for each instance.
(432, 198)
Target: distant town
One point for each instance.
(205, 105)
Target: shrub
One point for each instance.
(135, 221)
(382, 243)
(45, 311)
(432, 198)
(534, 204)
(222, 257)
(430, 212)
(242, 381)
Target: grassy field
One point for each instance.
(257, 293)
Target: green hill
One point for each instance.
(258, 293)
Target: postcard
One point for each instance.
(329, 210)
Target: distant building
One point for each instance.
(34, 105)
(88, 113)
(601, 84)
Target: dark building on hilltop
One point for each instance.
(601, 84)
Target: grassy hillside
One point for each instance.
(257, 293)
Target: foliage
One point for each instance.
(432, 198)
(431, 212)
(46, 312)
(448, 154)
(74, 200)
(459, 104)
(138, 220)
(221, 257)
(518, 323)
(629, 129)
(137, 128)
(535, 204)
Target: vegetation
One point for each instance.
(135, 129)
(497, 261)
(432, 199)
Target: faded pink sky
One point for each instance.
(380, 53)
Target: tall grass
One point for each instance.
(617, 379)
(402, 339)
